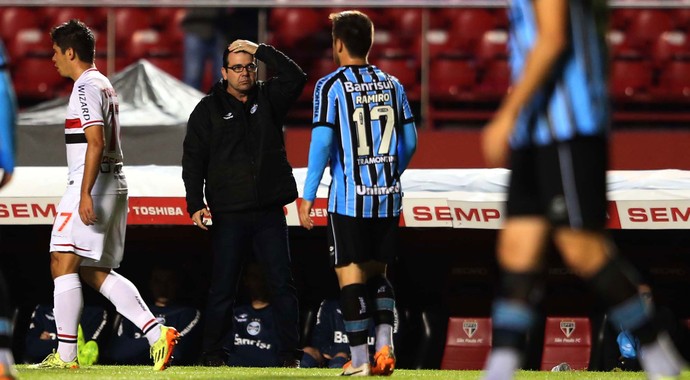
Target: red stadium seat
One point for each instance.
(493, 45)
(495, 80)
(451, 78)
(468, 343)
(439, 44)
(37, 79)
(569, 340)
(670, 45)
(647, 25)
(403, 69)
(171, 65)
(630, 79)
(406, 22)
(292, 26)
(387, 44)
(128, 21)
(674, 81)
(31, 43)
(469, 27)
(15, 19)
(64, 14)
(148, 43)
(319, 69)
(622, 17)
(619, 46)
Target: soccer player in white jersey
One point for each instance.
(89, 229)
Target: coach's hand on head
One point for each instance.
(243, 46)
(198, 218)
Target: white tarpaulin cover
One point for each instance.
(459, 198)
(154, 109)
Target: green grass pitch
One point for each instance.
(102, 372)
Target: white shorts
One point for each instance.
(102, 244)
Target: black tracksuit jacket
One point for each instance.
(236, 150)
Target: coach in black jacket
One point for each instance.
(234, 146)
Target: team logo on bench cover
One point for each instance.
(568, 327)
(470, 327)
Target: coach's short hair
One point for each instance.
(356, 31)
(76, 35)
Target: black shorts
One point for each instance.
(564, 182)
(358, 240)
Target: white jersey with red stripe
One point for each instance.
(94, 102)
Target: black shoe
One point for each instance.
(212, 360)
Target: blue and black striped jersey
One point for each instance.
(8, 115)
(574, 99)
(367, 110)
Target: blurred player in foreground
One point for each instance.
(555, 121)
(88, 234)
(8, 116)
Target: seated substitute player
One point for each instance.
(128, 344)
(88, 233)
(363, 124)
(329, 343)
(41, 338)
(254, 341)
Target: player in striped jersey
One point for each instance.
(364, 126)
(8, 117)
(555, 120)
(89, 228)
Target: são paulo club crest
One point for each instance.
(470, 328)
(568, 327)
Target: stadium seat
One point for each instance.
(128, 21)
(629, 79)
(621, 17)
(403, 69)
(148, 43)
(405, 22)
(493, 45)
(439, 44)
(37, 79)
(468, 343)
(670, 45)
(15, 19)
(64, 14)
(494, 81)
(292, 26)
(386, 44)
(674, 81)
(171, 65)
(320, 68)
(31, 43)
(569, 340)
(647, 25)
(681, 18)
(619, 46)
(469, 26)
(451, 78)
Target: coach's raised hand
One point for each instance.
(243, 45)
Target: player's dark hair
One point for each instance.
(356, 31)
(76, 35)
